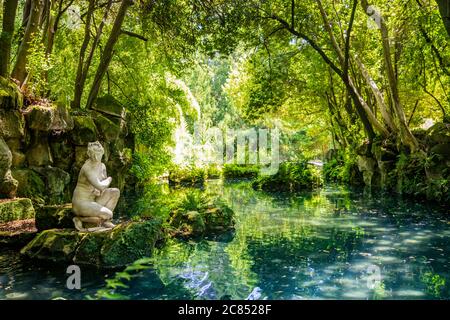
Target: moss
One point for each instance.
(12, 124)
(109, 130)
(16, 209)
(31, 185)
(198, 215)
(10, 95)
(129, 242)
(109, 105)
(54, 245)
(84, 130)
(118, 247)
(89, 250)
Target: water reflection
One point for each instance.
(317, 245)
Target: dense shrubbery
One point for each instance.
(291, 176)
(412, 179)
(187, 176)
(342, 168)
(186, 213)
(236, 171)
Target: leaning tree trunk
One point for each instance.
(9, 15)
(108, 51)
(20, 72)
(366, 115)
(406, 136)
(444, 9)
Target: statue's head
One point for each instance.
(95, 151)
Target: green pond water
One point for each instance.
(329, 244)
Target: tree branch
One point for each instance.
(134, 35)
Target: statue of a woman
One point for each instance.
(93, 201)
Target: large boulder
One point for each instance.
(12, 124)
(56, 181)
(16, 209)
(63, 152)
(57, 245)
(18, 157)
(39, 154)
(110, 106)
(10, 95)
(8, 185)
(84, 130)
(31, 184)
(49, 118)
(122, 245)
(109, 130)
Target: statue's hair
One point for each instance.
(93, 147)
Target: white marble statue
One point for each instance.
(93, 201)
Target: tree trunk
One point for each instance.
(81, 78)
(9, 16)
(444, 9)
(79, 84)
(19, 72)
(108, 51)
(378, 96)
(365, 113)
(406, 136)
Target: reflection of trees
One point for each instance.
(315, 244)
(286, 265)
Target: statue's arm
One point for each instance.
(93, 179)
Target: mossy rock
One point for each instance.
(56, 182)
(49, 118)
(54, 217)
(31, 185)
(109, 105)
(12, 124)
(89, 251)
(8, 185)
(39, 154)
(109, 130)
(84, 130)
(193, 224)
(217, 219)
(122, 245)
(16, 209)
(63, 152)
(56, 245)
(437, 134)
(10, 95)
(130, 241)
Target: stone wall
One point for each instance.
(43, 146)
(425, 173)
